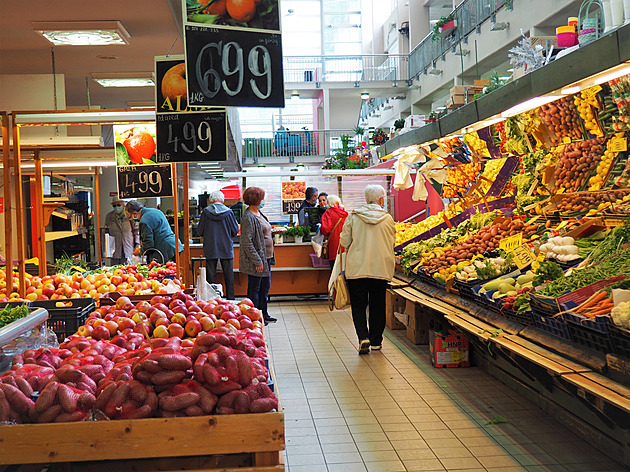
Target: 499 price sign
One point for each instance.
(236, 68)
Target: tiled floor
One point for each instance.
(392, 411)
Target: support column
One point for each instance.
(39, 212)
(176, 220)
(19, 208)
(419, 25)
(6, 166)
(97, 215)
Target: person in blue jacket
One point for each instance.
(218, 227)
(155, 231)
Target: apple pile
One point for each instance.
(127, 280)
(164, 316)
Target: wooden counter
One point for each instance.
(293, 273)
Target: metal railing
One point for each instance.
(361, 68)
(284, 143)
(469, 15)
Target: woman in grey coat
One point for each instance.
(256, 250)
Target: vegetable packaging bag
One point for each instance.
(317, 242)
(338, 295)
(205, 291)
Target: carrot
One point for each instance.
(594, 300)
(594, 313)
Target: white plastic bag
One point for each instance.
(317, 242)
(206, 291)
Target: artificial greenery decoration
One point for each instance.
(441, 22)
(495, 83)
(399, 124)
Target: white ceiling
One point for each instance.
(150, 23)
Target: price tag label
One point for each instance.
(523, 256)
(291, 207)
(145, 181)
(591, 92)
(511, 243)
(458, 356)
(562, 225)
(566, 140)
(233, 68)
(618, 144)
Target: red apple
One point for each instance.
(143, 306)
(85, 330)
(247, 301)
(161, 332)
(255, 314)
(175, 303)
(176, 330)
(139, 317)
(112, 326)
(218, 310)
(125, 323)
(101, 332)
(180, 309)
(245, 322)
(233, 322)
(109, 316)
(162, 322)
(192, 328)
(160, 306)
(124, 303)
(179, 318)
(219, 323)
(156, 315)
(228, 315)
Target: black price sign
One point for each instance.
(233, 68)
(291, 207)
(145, 181)
(191, 137)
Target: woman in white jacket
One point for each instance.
(369, 236)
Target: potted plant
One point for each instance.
(278, 234)
(298, 232)
(399, 124)
(443, 27)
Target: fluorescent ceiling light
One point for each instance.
(529, 105)
(124, 79)
(72, 163)
(82, 33)
(141, 104)
(597, 79)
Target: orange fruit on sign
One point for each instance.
(241, 10)
(218, 7)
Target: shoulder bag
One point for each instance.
(325, 245)
(338, 295)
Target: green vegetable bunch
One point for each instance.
(9, 315)
(298, 231)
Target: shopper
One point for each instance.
(155, 232)
(322, 200)
(369, 236)
(309, 202)
(124, 231)
(332, 225)
(256, 254)
(218, 227)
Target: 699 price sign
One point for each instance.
(233, 68)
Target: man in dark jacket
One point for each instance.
(218, 227)
(309, 202)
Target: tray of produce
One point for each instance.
(562, 118)
(576, 163)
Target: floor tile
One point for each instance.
(385, 466)
(351, 467)
(306, 459)
(417, 465)
(375, 446)
(342, 457)
(379, 456)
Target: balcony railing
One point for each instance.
(362, 68)
(283, 145)
(469, 15)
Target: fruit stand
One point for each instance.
(530, 258)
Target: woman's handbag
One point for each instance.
(325, 245)
(338, 295)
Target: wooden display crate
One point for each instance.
(255, 440)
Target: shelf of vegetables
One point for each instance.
(535, 240)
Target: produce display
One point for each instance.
(582, 202)
(10, 314)
(218, 370)
(562, 118)
(577, 161)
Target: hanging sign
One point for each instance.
(233, 55)
(145, 181)
(185, 134)
(293, 194)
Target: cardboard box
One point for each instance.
(449, 349)
(417, 337)
(482, 83)
(394, 303)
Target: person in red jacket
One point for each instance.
(332, 224)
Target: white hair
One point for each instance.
(333, 201)
(217, 196)
(373, 193)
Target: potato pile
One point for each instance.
(587, 201)
(486, 239)
(562, 118)
(576, 162)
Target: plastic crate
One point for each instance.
(620, 340)
(554, 326)
(512, 315)
(66, 315)
(466, 289)
(544, 305)
(319, 263)
(592, 334)
(11, 304)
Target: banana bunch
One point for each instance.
(490, 173)
(597, 181)
(584, 103)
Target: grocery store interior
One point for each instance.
(498, 130)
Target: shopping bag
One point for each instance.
(205, 291)
(317, 242)
(338, 295)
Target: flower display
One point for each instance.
(379, 137)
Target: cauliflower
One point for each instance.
(621, 315)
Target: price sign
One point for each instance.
(566, 140)
(511, 243)
(291, 207)
(145, 181)
(191, 137)
(591, 92)
(523, 256)
(618, 144)
(233, 68)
